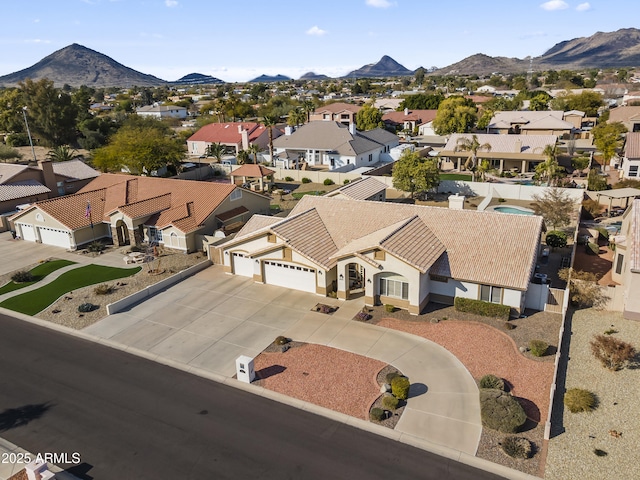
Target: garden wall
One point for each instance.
(502, 190)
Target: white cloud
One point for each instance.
(171, 3)
(36, 40)
(554, 5)
(317, 31)
(380, 3)
(583, 7)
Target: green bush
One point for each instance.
(305, 180)
(486, 309)
(516, 447)
(593, 248)
(377, 414)
(22, 276)
(603, 233)
(501, 411)
(556, 239)
(328, 181)
(288, 179)
(400, 388)
(346, 181)
(281, 340)
(87, 307)
(96, 246)
(390, 376)
(579, 400)
(501, 200)
(389, 308)
(612, 352)
(491, 381)
(509, 326)
(103, 289)
(538, 348)
(390, 402)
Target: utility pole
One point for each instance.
(33, 151)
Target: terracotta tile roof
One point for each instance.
(360, 189)
(632, 145)
(70, 210)
(522, 116)
(252, 170)
(227, 133)
(508, 144)
(420, 116)
(147, 207)
(75, 169)
(337, 108)
(24, 189)
(482, 247)
(257, 223)
(8, 171)
(624, 113)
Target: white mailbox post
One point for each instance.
(244, 369)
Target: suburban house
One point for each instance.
(626, 261)
(132, 210)
(336, 145)
(631, 159)
(235, 136)
(344, 113)
(366, 188)
(162, 111)
(629, 116)
(508, 152)
(532, 123)
(410, 121)
(400, 254)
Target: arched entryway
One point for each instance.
(122, 233)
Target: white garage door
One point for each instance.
(242, 265)
(28, 233)
(55, 237)
(290, 276)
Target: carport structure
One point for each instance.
(619, 194)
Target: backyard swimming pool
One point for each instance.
(512, 209)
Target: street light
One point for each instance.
(24, 113)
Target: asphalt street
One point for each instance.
(130, 418)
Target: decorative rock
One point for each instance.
(523, 349)
(284, 348)
(385, 387)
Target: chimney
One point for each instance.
(239, 128)
(48, 176)
(518, 146)
(288, 130)
(456, 202)
(406, 112)
(245, 139)
(352, 128)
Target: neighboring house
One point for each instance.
(367, 188)
(630, 165)
(344, 113)
(523, 122)
(162, 111)
(626, 261)
(508, 152)
(235, 136)
(387, 104)
(335, 145)
(629, 116)
(412, 121)
(399, 254)
(132, 210)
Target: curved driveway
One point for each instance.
(208, 320)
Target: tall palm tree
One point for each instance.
(471, 145)
(270, 121)
(254, 150)
(243, 157)
(296, 117)
(308, 106)
(483, 167)
(547, 169)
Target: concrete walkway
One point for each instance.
(208, 320)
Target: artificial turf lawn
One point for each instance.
(455, 176)
(38, 272)
(37, 300)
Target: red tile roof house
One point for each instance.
(344, 113)
(132, 210)
(234, 135)
(409, 120)
(400, 254)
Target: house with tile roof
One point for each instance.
(335, 145)
(365, 188)
(235, 136)
(508, 152)
(630, 165)
(400, 254)
(523, 122)
(344, 113)
(128, 210)
(628, 115)
(626, 261)
(418, 121)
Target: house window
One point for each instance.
(633, 170)
(155, 235)
(619, 263)
(370, 157)
(394, 288)
(235, 195)
(489, 293)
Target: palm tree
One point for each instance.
(243, 157)
(216, 150)
(254, 150)
(270, 121)
(62, 153)
(483, 167)
(296, 117)
(547, 169)
(308, 106)
(472, 146)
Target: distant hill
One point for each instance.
(481, 64)
(313, 76)
(270, 78)
(386, 67)
(197, 79)
(76, 65)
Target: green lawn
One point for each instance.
(37, 300)
(299, 195)
(38, 272)
(455, 176)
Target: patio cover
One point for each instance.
(618, 193)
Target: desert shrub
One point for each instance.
(603, 233)
(96, 246)
(400, 388)
(612, 352)
(376, 414)
(346, 181)
(486, 309)
(103, 289)
(593, 248)
(556, 239)
(87, 307)
(328, 181)
(600, 453)
(491, 381)
(22, 276)
(389, 308)
(592, 207)
(610, 331)
(516, 447)
(509, 326)
(390, 402)
(501, 411)
(390, 376)
(501, 200)
(280, 340)
(579, 400)
(538, 348)
(288, 179)
(305, 180)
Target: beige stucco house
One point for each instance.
(626, 261)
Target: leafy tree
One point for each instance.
(11, 103)
(595, 181)
(422, 101)
(579, 163)
(471, 145)
(607, 137)
(556, 239)
(555, 206)
(455, 115)
(8, 153)
(627, 183)
(95, 131)
(415, 174)
(369, 118)
(62, 153)
(588, 101)
(551, 78)
(419, 76)
(584, 290)
(540, 102)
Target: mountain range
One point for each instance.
(77, 65)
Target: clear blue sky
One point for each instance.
(238, 40)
